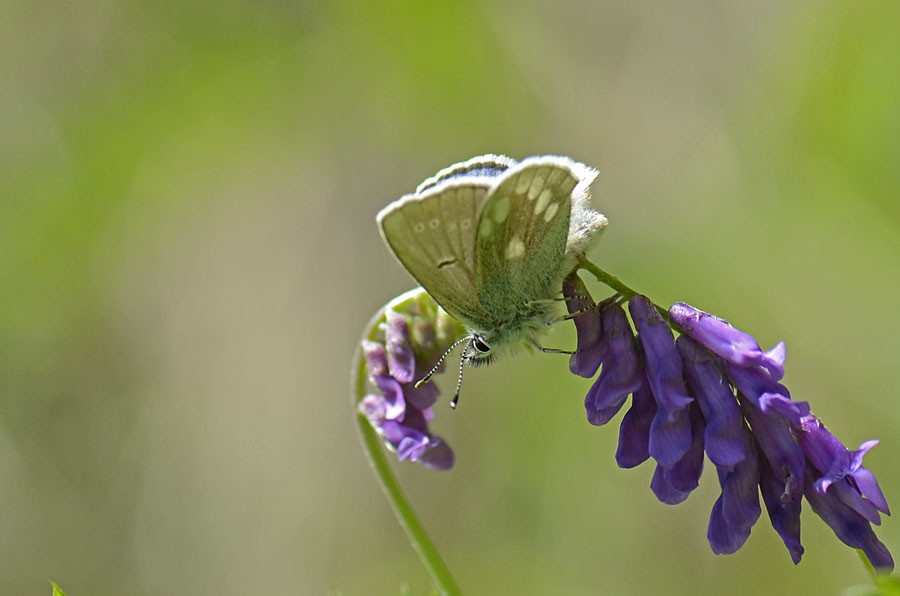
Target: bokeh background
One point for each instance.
(188, 253)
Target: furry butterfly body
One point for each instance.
(492, 239)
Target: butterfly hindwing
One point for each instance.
(521, 237)
(432, 234)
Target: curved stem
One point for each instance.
(407, 518)
(616, 284)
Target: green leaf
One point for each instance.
(56, 590)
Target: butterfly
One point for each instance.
(491, 240)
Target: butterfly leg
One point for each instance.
(600, 306)
(563, 299)
(550, 350)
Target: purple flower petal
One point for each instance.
(395, 405)
(621, 372)
(412, 446)
(848, 525)
(408, 442)
(740, 493)
(792, 411)
(663, 488)
(634, 432)
(373, 407)
(670, 436)
(684, 474)
(401, 359)
(784, 512)
(438, 455)
(376, 358)
(738, 507)
(867, 484)
(672, 484)
(754, 382)
(421, 397)
(724, 438)
(733, 345)
(777, 443)
(723, 538)
(663, 363)
(588, 326)
(835, 463)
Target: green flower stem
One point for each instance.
(415, 532)
(615, 283)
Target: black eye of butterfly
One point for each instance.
(479, 345)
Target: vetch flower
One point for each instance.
(404, 340)
(673, 482)
(784, 513)
(849, 526)
(670, 432)
(401, 358)
(592, 344)
(737, 508)
(840, 470)
(725, 341)
(621, 372)
(715, 390)
(725, 441)
(634, 432)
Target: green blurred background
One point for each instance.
(188, 253)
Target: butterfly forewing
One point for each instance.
(432, 235)
(521, 236)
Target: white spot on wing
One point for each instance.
(521, 185)
(501, 209)
(484, 228)
(536, 186)
(419, 227)
(434, 224)
(543, 201)
(551, 211)
(515, 248)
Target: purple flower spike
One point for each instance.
(727, 342)
(621, 372)
(634, 432)
(411, 328)
(592, 343)
(663, 363)
(848, 525)
(725, 442)
(401, 360)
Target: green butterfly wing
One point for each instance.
(432, 233)
(520, 244)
